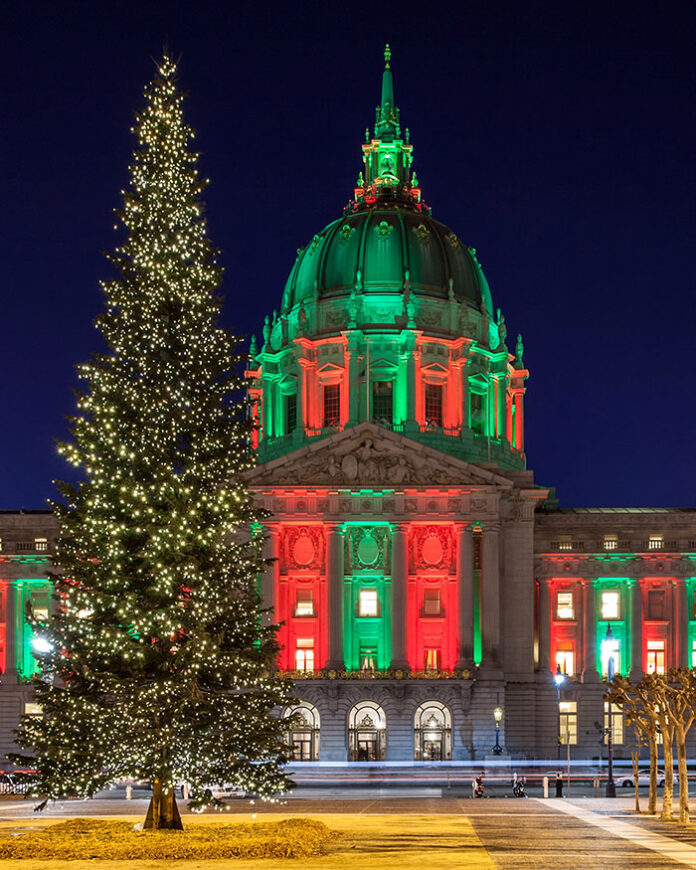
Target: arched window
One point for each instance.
(303, 736)
(432, 726)
(367, 732)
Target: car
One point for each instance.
(643, 778)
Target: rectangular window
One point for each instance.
(655, 657)
(368, 657)
(656, 604)
(610, 605)
(332, 405)
(304, 654)
(433, 406)
(304, 604)
(432, 659)
(368, 604)
(565, 658)
(382, 402)
(568, 711)
(611, 657)
(564, 606)
(613, 718)
(477, 411)
(41, 545)
(290, 413)
(611, 542)
(432, 604)
(655, 542)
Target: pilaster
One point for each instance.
(490, 598)
(398, 587)
(465, 596)
(589, 658)
(636, 671)
(335, 581)
(11, 633)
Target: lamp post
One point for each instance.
(559, 679)
(497, 716)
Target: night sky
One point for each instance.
(558, 139)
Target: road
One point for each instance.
(553, 835)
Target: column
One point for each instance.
(544, 627)
(636, 631)
(299, 431)
(270, 577)
(589, 661)
(399, 579)
(11, 633)
(490, 596)
(267, 407)
(465, 596)
(352, 358)
(519, 420)
(335, 580)
(681, 624)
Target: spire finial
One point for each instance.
(387, 56)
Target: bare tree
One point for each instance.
(658, 690)
(637, 705)
(680, 695)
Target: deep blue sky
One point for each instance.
(558, 139)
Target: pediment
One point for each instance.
(369, 455)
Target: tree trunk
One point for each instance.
(683, 776)
(635, 757)
(668, 790)
(652, 793)
(163, 813)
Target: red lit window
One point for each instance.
(304, 654)
(432, 604)
(304, 604)
(656, 604)
(332, 405)
(432, 659)
(564, 606)
(655, 660)
(565, 658)
(433, 406)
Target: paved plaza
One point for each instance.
(410, 832)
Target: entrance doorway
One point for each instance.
(367, 729)
(432, 730)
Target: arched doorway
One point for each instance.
(303, 737)
(432, 726)
(367, 732)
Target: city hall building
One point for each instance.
(421, 578)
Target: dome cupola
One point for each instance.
(387, 317)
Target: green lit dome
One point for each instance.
(383, 249)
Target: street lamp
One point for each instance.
(498, 716)
(559, 679)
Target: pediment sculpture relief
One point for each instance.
(366, 460)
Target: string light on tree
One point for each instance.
(155, 664)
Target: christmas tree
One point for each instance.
(156, 665)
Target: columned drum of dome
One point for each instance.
(387, 317)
